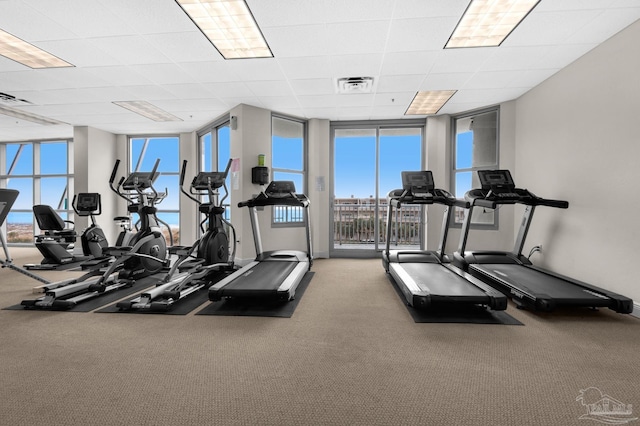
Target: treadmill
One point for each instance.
(425, 277)
(529, 286)
(273, 275)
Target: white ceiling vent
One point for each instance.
(348, 85)
(9, 100)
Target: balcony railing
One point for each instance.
(354, 224)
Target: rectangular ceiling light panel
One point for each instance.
(230, 26)
(27, 54)
(487, 23)
(148, 110)
(23, 115)
(430, 102)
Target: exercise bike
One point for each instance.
(204, 262)
(147, 254)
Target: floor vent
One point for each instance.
(350, 85)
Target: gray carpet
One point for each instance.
(351, 355)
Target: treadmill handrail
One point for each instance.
(261, 200)
(397, 197)
(489, 199)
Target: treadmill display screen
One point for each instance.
(495, 179)
(421, 181)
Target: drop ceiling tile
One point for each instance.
(147, 93)
(317, 101)
(159, 16)
(419, 34)
(315, 86)
(448, 81)
(306, 67)
(401, 63)
(490, 79)
(512, 58)
(227, 90)
(280, 103)
(96, 21)
(397, 99)
(164, 73)
(189, 91)
(130, 50)
(602, 27)
(356, 65)
(289, 13)
(399, 83)
(210, 72)
(297, 40)
(24, 21)
(120, 75)
(269, 88)
(355, 38)
(360, 100)
(429, 8)
(259, 69)
(462, 60)
(359, 10)
(546, 28)
(184, 46)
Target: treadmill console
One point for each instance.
(496, 180)
(280, 188)
(419, 184)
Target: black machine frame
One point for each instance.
(511, 272)
(425, 277)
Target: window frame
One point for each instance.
(37, 177)
(454, 171)
(290, 211)
(130, 168)
(212, 129)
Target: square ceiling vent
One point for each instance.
(349, 85)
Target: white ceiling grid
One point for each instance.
(150, 50)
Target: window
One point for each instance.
(475, 147)
(214, 154)
(288, 146)
(42, 172)
(143, 152)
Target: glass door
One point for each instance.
(367, 161)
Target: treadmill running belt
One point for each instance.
(440, 281)
(271, 275)
(536, 282)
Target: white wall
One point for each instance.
(577, 140)
(94, 157)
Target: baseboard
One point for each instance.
(636, 310)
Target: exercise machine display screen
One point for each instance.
(418, 182)
(202, 180)
(281, 187)
(141, 180)
(88, 201)
(494, 179)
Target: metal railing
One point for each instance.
(354, 224)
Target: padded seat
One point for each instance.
(52, 224)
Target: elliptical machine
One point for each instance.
(146, 255)
(212, 260)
